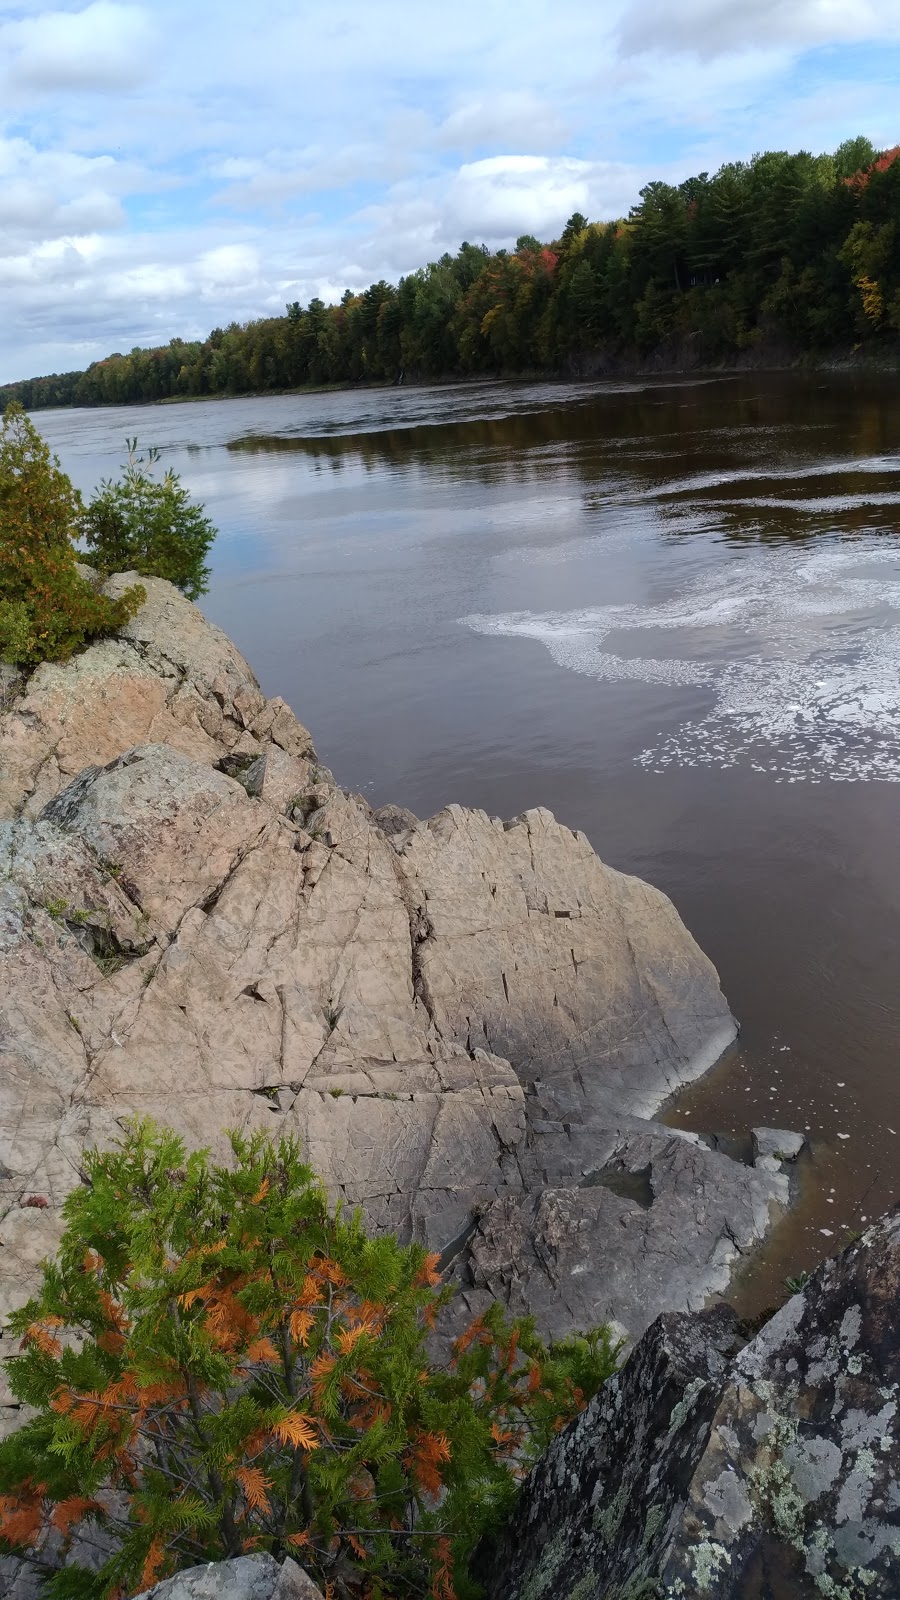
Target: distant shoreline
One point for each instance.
(589, 369)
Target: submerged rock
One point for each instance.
(467, 1022)
(702, 1473)
(776, 1144)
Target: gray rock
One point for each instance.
(777, 1143)
(256, 1577)
(692, 1474)
(397, 822)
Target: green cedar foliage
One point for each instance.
(149, 525)
(47, 609)
(218, 1362)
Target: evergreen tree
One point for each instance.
(47, 609)
(218, 1362)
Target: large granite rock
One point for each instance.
(702, 1473)
(169, 677)
(256, 1577)
(467, 1022)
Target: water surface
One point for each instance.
(668, 610)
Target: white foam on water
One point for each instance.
(817, 695)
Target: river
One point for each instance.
(668, 610)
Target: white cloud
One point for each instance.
(49, 194)
(713, 27)
(159, 165)
(503, 196)
(107, 46)
(516, 120)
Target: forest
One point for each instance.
(781, 257)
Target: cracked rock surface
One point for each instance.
(468, 1022)
(701, 1474)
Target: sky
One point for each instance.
(169, 168)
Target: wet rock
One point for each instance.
(656, 1221)
(692, 1474)
(776, 1144)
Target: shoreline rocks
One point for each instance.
(468, 1022)
(724, 1473)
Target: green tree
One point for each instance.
(218, 1362)
(853, 156)
(149, 525)
(47, 609)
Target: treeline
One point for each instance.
(800, 251)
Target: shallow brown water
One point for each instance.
(670, 612)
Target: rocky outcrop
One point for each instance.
(698, 1472)
(170, 677)
(256, 1577)
(467, 1022)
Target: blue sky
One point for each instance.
(167, 168)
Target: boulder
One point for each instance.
(776, 1144)
(257, 1577)
(170, 677)
(699, 1472)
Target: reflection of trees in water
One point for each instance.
(742, 452)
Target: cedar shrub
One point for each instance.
(219, 1362)
(47, 609)
(149, 525)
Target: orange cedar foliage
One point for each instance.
(357, 1546)
(425, 1457)
(321, 1371)
(298, 1540)
(153, 1564)
(442, 1582)
(261, 1350)
(254, 1484)
(428, 1272)
(475, 1330)
(38, 1334)
(69, 1512)
(301, 1325)
(111, 1342)
(115, 1313)
(296, 1429)
(261, 1192)
(371, 1320)
(21, 1515)
(331, 1272)
(311, 1292)
(228, 1323)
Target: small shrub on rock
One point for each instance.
(219, 1362)
(47, 609)
(149, 525)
